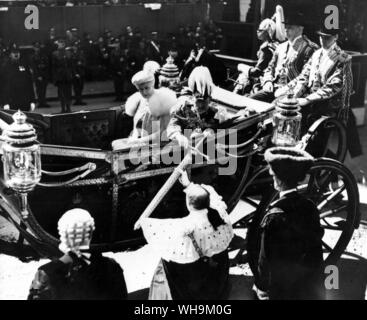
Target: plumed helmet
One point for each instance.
(278, 17)
(75, 227)
(200, 81)
(268, 25)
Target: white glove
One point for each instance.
(182, 140)
(268, 87)
(33, 106)
(6, 107)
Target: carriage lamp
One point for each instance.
(287, 122)
(21, 158)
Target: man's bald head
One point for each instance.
(197, 197)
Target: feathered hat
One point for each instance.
(278, 18)
(200, 80)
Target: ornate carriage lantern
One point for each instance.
(21, 158)
(287, 121)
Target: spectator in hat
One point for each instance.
(288, 59)
(18, 91)
(78, 274)
(288, 261)
(149, 109)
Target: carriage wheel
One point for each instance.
(332, 187)
(327, 138)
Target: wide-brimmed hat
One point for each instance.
(289, 165)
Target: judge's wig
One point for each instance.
(75, 229)
(290, 165)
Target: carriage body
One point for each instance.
(79, 170)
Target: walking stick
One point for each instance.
(167, 185)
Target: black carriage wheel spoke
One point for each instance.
(331, 197)
(332, 212)
(251, 202)
(326, 246)
(330, 227)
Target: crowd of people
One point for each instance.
(69, 60)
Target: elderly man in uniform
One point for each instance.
(78, 275)
(288, 60)
(194, 111)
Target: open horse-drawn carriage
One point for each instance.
(80, 170)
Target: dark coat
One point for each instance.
(290, 264)
(40, 65)
(102, 279)
(62, 67)
(18, 89)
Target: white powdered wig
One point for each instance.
(75, 229)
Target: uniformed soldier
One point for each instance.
(118, 70)
(62, 65)
(79, 66)
(103, 56)
(40, 65)
(288, 59)
(325, 85)
(18, 92)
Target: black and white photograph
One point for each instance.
(205, 151)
